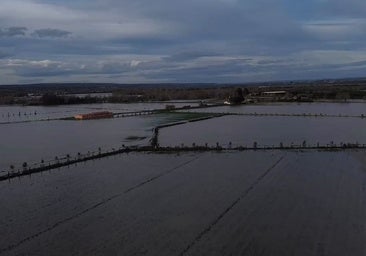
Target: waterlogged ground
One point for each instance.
(243, 203)
(266, 131)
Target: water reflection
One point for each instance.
(266, 131)
(356, 109)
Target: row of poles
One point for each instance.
(57, 162)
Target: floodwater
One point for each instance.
(29, 113)
(356, 109)
(35, 141)
(32, 142)
(240, 203)
(264, 203)
(266, 131)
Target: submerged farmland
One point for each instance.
(270, 203)
(278, 201)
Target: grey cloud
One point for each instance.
(46, 48)
(271, 62)
(349, 8)
(190, 55)
(13, 31)
(51, 32)
(352, 65)
(4, 55)
(245, 27)
(200, 70)
(195, 40)
(114, 68)
(357, 63)
(22, 31)
(227, 20)
(44, 68)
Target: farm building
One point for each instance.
(94, 115)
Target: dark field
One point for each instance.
(243, 203)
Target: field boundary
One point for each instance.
(67, 161)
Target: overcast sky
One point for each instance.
(142, 41)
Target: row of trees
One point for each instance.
(53, 99)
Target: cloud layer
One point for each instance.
(13, 31)
(226, 41)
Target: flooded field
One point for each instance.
(31, 142)
(266, 203)
(356, 109)
(45, 140)
(29, 113)
(266, 131)
(244, 203)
